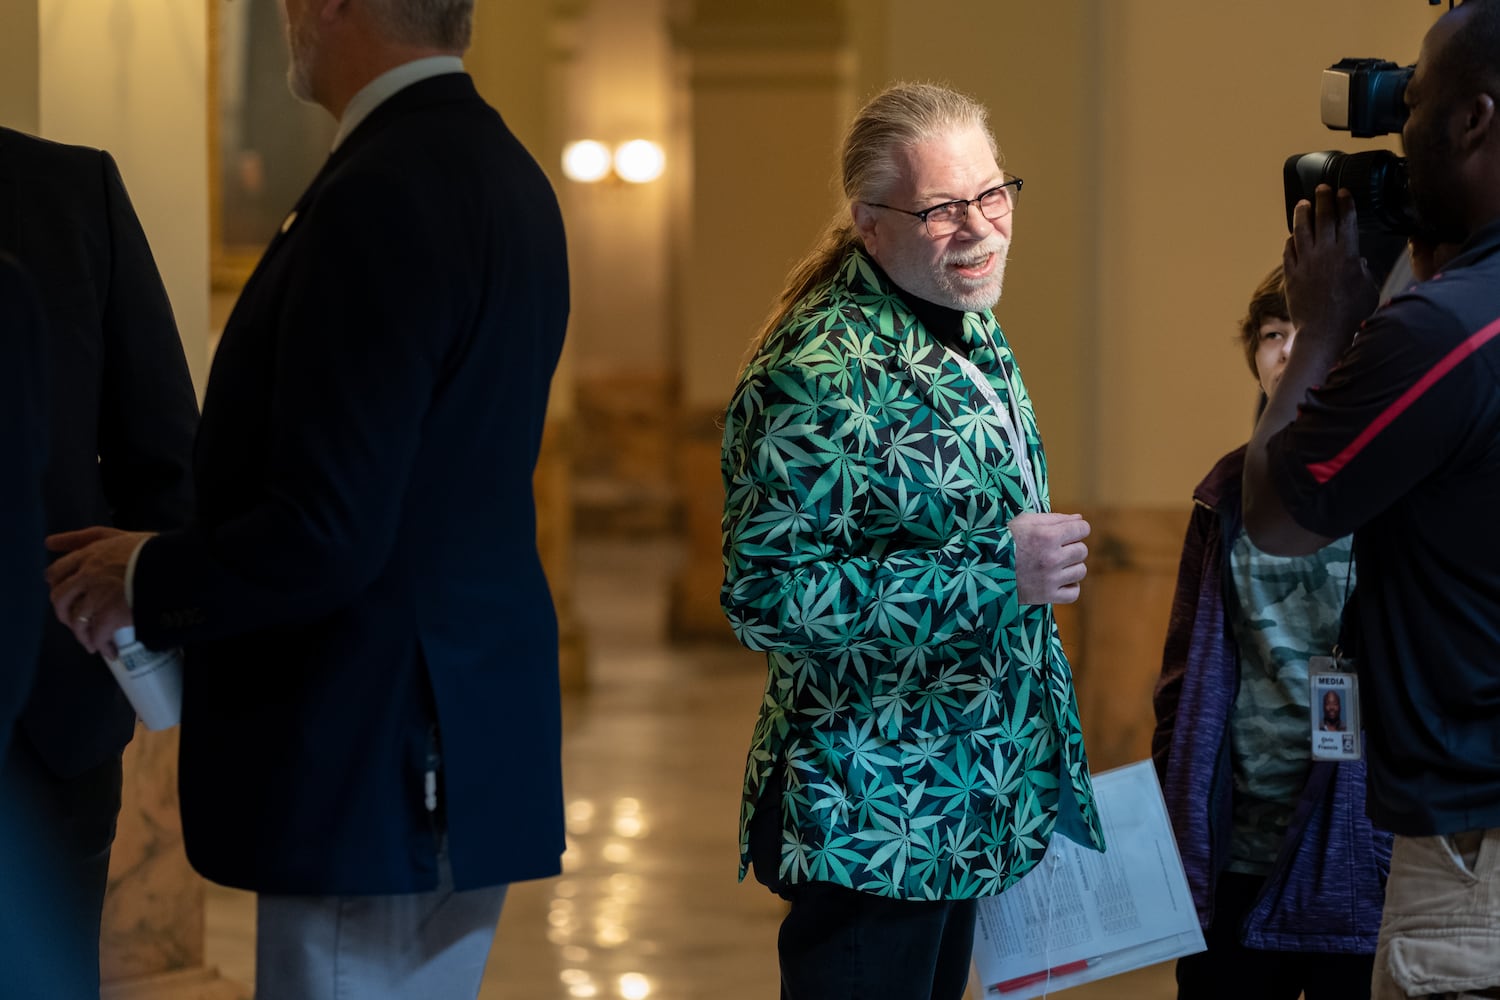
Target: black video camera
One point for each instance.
(1365, 98)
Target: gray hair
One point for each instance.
(901, 116)
(441, 24)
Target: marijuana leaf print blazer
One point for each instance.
(922, 723)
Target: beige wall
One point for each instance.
(19, 88)
(617, 88)
(1152, 136)
(131, 78)
(766, 114)
(1037, 71)
(511, 63)
(515, 63)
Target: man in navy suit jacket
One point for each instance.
(37, 946)
(121, 418)
(370, 703)
(23, 450)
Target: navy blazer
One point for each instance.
(23, 449)
(362, 578)
(122, 407)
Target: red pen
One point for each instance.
(1032, 978)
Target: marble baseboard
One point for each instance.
(693, 609)
(153, 910)
(152, 940)
(196, 984)
(1119, 625)
(622, 459)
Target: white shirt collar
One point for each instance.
(384, 86)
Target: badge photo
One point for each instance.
(1334, 715)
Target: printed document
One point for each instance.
(1080, 915)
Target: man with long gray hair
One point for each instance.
(888, 545)
(371, 726)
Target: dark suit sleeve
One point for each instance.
(148, 411)
(377, 299)
(23, 450)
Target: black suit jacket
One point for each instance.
(23, 451)
(362, 576)
(122, 406)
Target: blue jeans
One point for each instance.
(55, 840)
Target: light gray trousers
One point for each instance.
(417, 946)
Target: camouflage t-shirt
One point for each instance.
(1285, 609)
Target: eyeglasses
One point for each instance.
(951, 216)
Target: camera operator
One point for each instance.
(1398, 441)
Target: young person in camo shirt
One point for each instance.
(1286, 872)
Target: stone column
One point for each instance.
(762, 92)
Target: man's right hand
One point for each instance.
(88, 583)
(1329, 289)
(1049, 557)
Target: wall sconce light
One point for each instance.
(639, 161)
(586, 161)
(589, 161)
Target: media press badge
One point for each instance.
(1334, 708)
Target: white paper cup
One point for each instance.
(152, 681)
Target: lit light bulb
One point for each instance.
(639, 161)
(586, 160)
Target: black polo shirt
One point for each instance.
(1401, 446)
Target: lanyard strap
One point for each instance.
(1011, 427)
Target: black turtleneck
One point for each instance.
(946, 325)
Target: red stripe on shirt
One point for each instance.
(1326, 470)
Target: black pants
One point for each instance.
(55, 839)
(839, 944)
(1230, 971)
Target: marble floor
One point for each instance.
(647, 907)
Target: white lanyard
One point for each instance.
(1010, 425)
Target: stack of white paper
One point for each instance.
(1081, 915)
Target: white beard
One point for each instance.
(945, 286)
(302, 43)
